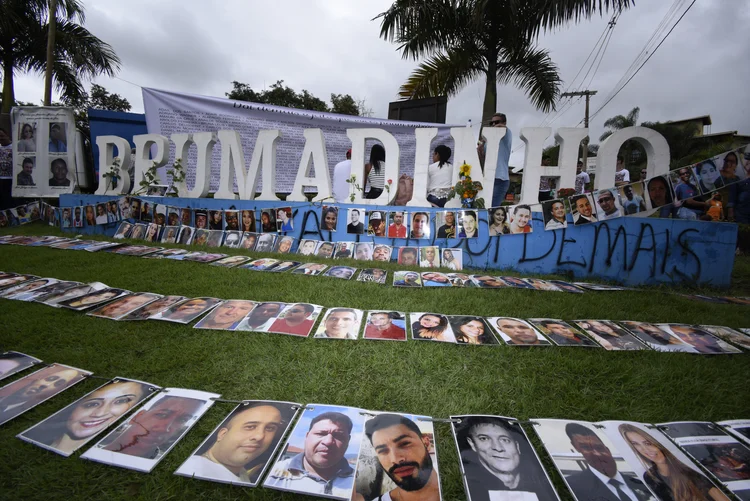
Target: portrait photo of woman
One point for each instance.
(248, 221)
(72, 427)
(472, 330)
(431, 327)
(330, 218)
(498, 221)
(27, 143)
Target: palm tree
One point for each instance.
(466, 39)
(619, 122)
(23, 44)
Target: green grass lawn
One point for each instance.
(417, 377)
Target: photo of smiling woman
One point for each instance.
(431, 327)
(71, 428)
(471, 330)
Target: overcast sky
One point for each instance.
(332, 46)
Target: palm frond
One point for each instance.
(442, 74)
(533, 71)
(551, 14)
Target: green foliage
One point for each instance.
(281, 95)
(78, 54)
(177, 171)
(98, 98)
(436, 379)
(113, 175)
(150, 178)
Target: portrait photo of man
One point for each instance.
(297, 319)
(186, 311)
(561, 333)
(215, 220)
(201, 219)
(121, 307)
(307, 247)
(397, 228)
(343, 272)
(239, 449)
(231, 218)
(343, 250)
(382, 253)
(363, 251)
(227, 315)
(261, 318)
(340, 323)
(375, 275)
(310, 269)
(265, 242)
(390, 325)
(515, 331)
(519, 219)
(59, 170)
(404, 450)
(582, 207)
(232, 239)
(185, 236)
(498, 460)
(420, 225)
(284, 245)
(554, 214)
(355, 225)
(325, 249)
(77, 217)
(408, 256)
(319, 457)
(608, 204)
(407, 279)
(376, 223)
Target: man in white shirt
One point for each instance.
(341, 173)
(582, 178)
(622, 176)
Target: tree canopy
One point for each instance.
(282, 95)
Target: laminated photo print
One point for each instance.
(488, 282)
(185, 237)
(156, 190)
(419, 224)
(137, 250)
(119, 308)
(123, 205)
(186, 216)
(382, 253)
(566, 286)
(343, 250)
(453, 259)
(147, 311)
(13, 279)
(340, 323)
(21, 290)
(471, 330)
(284, 245)
(201, 219)
(435, 279)
(267, 221)
(241, 448)
(431, 327)
(231, 220)
(658, 462)
(33, 211)
(135, 208)
(215, 237)
(376, 226)
(307, 247)
(200, 237)
(600, 287)
(329, 218)
(740, 428)
(517, 332)
(247, 221)
(188, 310)
(92, 299)
(408, 256)
(310, 269)
(608, 204)
(542, 285)
(685, 184)
(284, 221)
(407, 279)
(721, 454)
(325, 250)
(216, 220)
(296, 319)
(632, 198)
(555, 214)
(343, 272)
(460, 280)
(588, 461)
(398, 455)
(700, 339)
(203, 257)
(138, 231)
(101, 213)
(169, 235)
(123, 231)
(248, 240)
(173, 216)
(735, 337)
(232, 239)
(708, 175)
(561, 333)
(13, 362)
(519, 219)
(160, 214)
(656, 338)
(265, 243)
(148, 435)
(260, 264)
(262, 316)
(498, 462)
(147, 212)
(386, 325)
(398, 224)
(48, 290)
(610, 335)
(445, 222)
(583, 209)
(355, 221)
(328, 437)
(429, 257)
(72, 427)
(231, 261)
(363, 251)
(282, 266)
(29, 391)
(227, 315)
(374, 275)
(72, 292)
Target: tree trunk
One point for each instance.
(490, 92)
(9, 98)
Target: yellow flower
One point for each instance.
(465, 170)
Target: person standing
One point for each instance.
(439, 176)
(502, 178)
(375, 172)
(622, 176)
(341, 173)
(582, 179)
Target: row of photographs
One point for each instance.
(299, 319)
(347, 453)
(407, 256)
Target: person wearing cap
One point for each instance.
(341, 173)
(376, 224)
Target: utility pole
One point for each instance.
(588, 94)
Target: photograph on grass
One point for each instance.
(517, 332)
(13, 362)
(296, 319)
(188, 310)
(227, 315)
(340, 323)
(431, 327)
(390, 325)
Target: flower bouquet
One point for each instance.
(467, 189)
